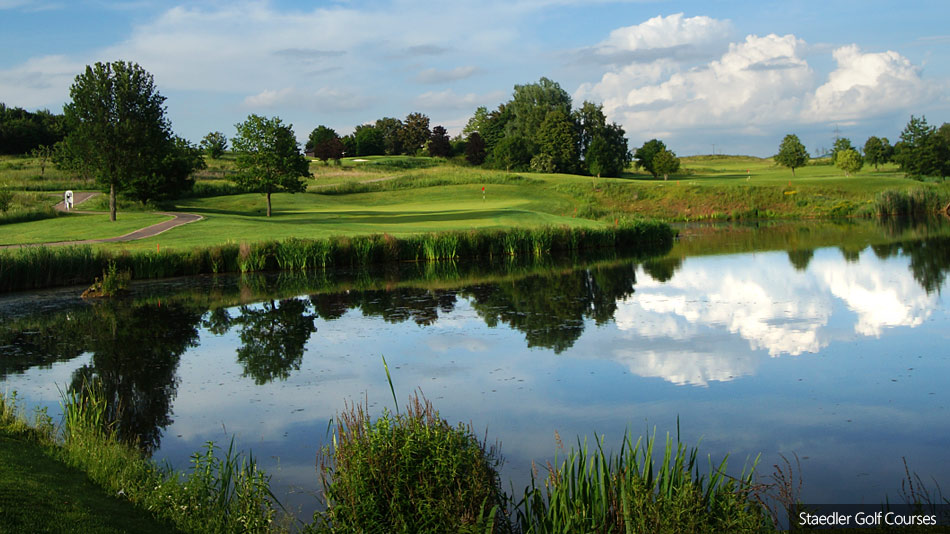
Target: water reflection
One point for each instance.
(683, 320)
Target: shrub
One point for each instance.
(410, 472)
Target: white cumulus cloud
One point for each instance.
(866, 83)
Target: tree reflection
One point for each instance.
(801, 258)
(550, 309)
(273, 338)
(135, 354)
(929, 262)
(662, 269)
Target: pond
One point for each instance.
(825, 341)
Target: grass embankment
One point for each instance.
(35, 267)
(40, 493)
(81, 478)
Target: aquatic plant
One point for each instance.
(411, 472)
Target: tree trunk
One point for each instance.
(112, 202)
(793, 171)
(268, 203)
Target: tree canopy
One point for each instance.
(214, 144)
(118, 129)
(849, 160)
(415, 132)
(645, 154)
(22, 131)
(922, 151)
(438, 144)
(666, 163)
(877, 151)
(269, 157)
(791, 153)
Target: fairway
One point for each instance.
(306, 215)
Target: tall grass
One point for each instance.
(220, 493)
(411, 472)
(909, 202)
(595, 491)
(37, 266)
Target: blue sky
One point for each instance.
(738, 75)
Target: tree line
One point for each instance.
(923, 150)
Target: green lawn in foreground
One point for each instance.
(76, 226)
(40, 494)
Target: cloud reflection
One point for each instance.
(695, 316)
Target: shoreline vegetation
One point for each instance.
(396, 472)
(40, 267)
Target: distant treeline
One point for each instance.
(23, 131)
(536, 130)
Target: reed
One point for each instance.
(909, 202)
(411, 472)
(596, 491)
(220, 494)
(37, 267)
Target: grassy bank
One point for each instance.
(81, 472)
(35, 267)
(40, 493)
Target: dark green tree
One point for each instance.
(319, 135)
(325, 144)
(273, 338)
(392, 135)
(214, 144)
(645, 154)
(22, 131)
(116, 119)
(557, 139)
(369, 140)
(666, 163)
(607, 154)
(475, 149)
(512, 152)
(841, 144)
(269, 157)
(173, 175)
(439, 145)
(877, 151)
(921, 152)
(590, 121)
(493, 131)
(791, 153)
(415, 132)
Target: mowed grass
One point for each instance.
(76, 226)
(41, 494)
(239, 218)
(402, 195)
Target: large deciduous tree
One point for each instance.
(269, 157)
(666, 163)
(475, 149)
(368, 140)
(849, 161)
(173, 176)
(118, 130)
(325, 144)
(214, 144)
(391, 129)
(439, 145)
(557, 139)
(531, 104)
(791, 153)
(645, 154)
(877, 151)
(415, 132)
